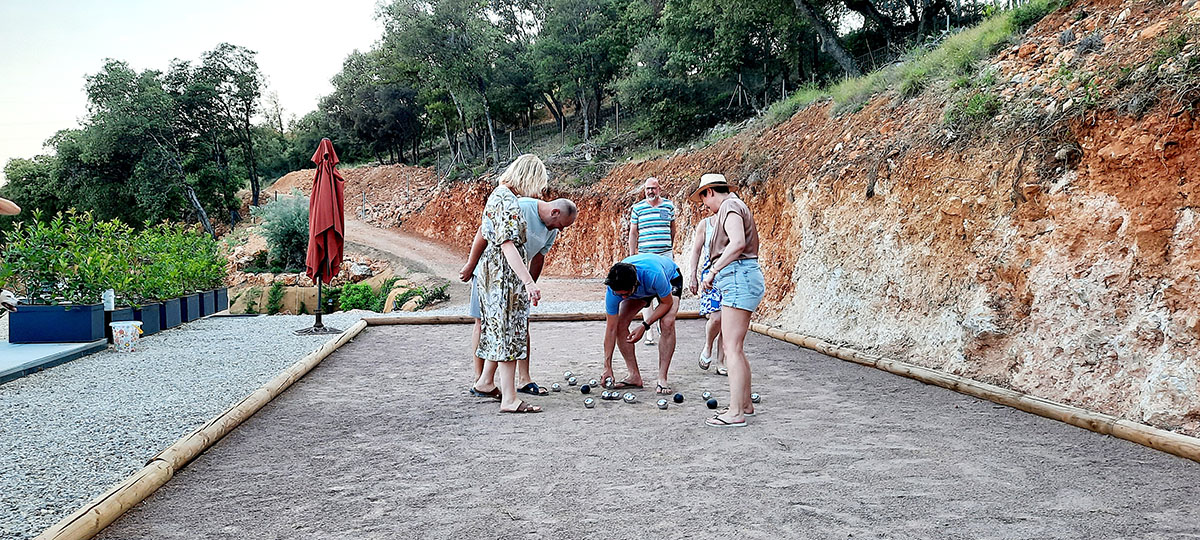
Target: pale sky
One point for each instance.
(48, 47)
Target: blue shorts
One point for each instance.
(710, 300)
(741, 285)
(473, 310)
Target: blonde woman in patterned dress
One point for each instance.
(506, 288)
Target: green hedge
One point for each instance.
(74, 258)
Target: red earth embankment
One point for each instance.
(1053, 252)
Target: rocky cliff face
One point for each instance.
(1053, 252)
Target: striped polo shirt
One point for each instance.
(653, 225)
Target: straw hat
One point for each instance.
(711, 180)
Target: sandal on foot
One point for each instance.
(534, 390)
(523, 407)
(723, 371)
(746, 414)
(717, 421)
(662, 390)
(621, 385)
(705, 362)
(494, 393)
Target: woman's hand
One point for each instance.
(535, 294)
(467, 271)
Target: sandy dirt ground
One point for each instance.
(431, 257)
(381, 441)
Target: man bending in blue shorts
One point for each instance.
(632, 284)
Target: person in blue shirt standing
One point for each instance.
(632, 284)
(652, 230)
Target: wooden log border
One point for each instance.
(536, 317)
(103, 510)
(1158, 439)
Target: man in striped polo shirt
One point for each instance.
(652, 230)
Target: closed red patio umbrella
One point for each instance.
(326, 227)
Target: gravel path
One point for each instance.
(70, 432)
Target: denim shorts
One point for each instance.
(741, 284)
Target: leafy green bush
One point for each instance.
(275, 298)
(786, 108)
(252, 296)
(357, 296)
(1029, 14)
(973, 109)
(74, 258)
(285, 226)
(433, 296)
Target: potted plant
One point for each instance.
(56, 266)
(160, 275)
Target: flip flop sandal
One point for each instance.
(723, 371)
(524, 407)
(705, 362)
(621, 385)
(716, 421)
(534, 390)
(494, 394)
(746, 414)
(662, 390)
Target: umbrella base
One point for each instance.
(317, 331)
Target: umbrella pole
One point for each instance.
(318, 327)
(320, 304)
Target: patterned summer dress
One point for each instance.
(503, 304)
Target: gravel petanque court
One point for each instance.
(381, 440)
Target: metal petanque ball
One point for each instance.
(608, 382)
(567, 376)
(678, 398)
(712, 403)
(662, 404)
(589, 403)
(706, 395)
(593, 383)
(585, 389)
(572, 381)
(755, 398)
(629, 397)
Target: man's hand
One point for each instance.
(692, 285)
(636, 334)
(467, 271)
(708, 281)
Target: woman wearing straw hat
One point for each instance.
(505, 286)
(735, 272)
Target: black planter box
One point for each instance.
(170, 315)
(151, 317)
(56, 324)
(189, 307)
(208, 303)
(119, 314)
(222, 299)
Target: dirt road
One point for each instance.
(427, 256)
(381, 441)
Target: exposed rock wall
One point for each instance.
(1058, 259)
